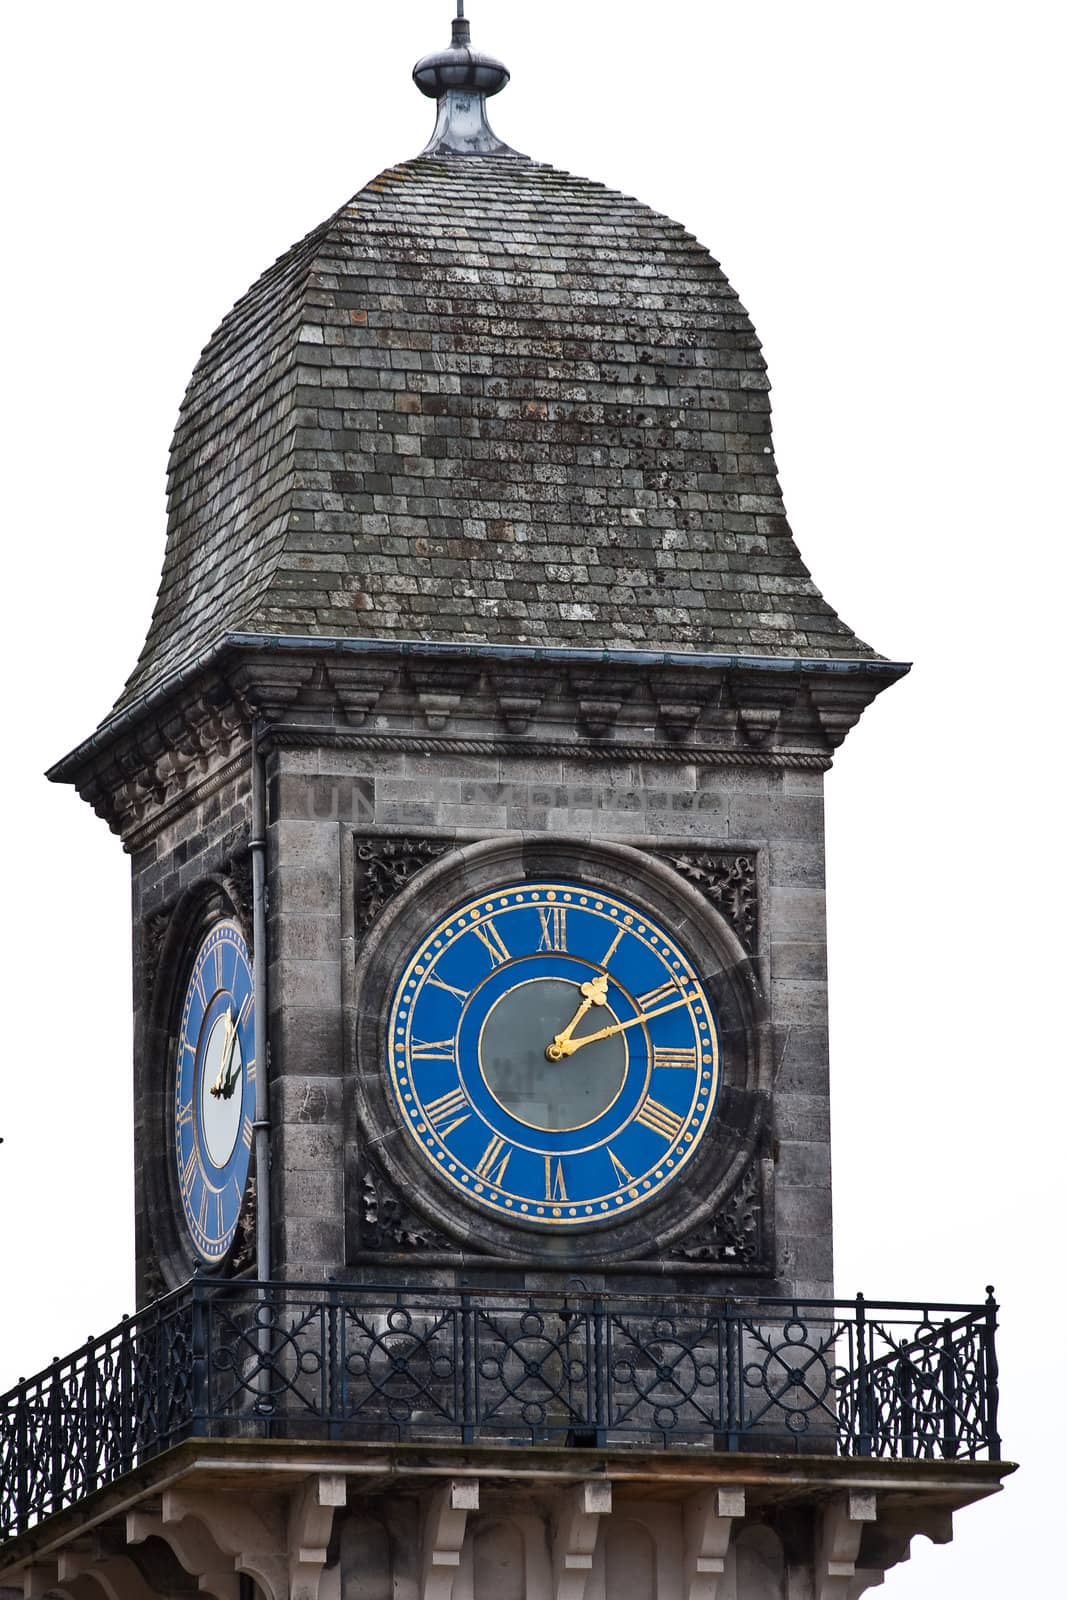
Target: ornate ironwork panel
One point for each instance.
(301, 1361)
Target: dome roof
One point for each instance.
(486, 401)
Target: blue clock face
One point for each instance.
(553, 1054)
(214, 1095)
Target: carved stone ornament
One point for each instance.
(237, 878)
(243, 1258)
(383, 867)
(735, 1236)
(387, 1225)
(153, 938)
(153, 1283)
(727, 881)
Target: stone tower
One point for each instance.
(471, 776)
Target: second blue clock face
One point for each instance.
(554, 1054)
(214, 1091)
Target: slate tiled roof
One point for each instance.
(486, 401)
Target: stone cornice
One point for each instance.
(191, 734)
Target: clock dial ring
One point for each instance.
(214, 1091)
(560, 1177)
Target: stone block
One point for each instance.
(803, 1163)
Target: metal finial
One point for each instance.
(461, 80)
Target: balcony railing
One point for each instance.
(314, 1362)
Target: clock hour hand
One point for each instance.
(594, 993)
(568, 1046)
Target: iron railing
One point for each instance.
(302, 1361)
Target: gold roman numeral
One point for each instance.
(201, 991)
(620, 1171)
(185, 1115)
(553, 928)
(188, 1172)
(439, 983)
(498, 950)
(668, 1124)
(612, 947)
(494, 1162)
(433, 1050)
(658, 997)
(201, 1217)
(667, 1056)
(246, 1133)
(555, 1188)
(445, 1109)
(218, 966)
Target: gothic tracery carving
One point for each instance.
(734, 1236)
(387, 1224)
(383, 867)
(726, 880)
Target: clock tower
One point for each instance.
(471, 777)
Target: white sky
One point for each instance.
(881, 182)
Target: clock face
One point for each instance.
(553, 1054)
(214, 1092)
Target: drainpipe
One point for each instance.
(261, 1125)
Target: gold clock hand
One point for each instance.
(567, 1047)
(231, 1045)
(595, 993)
(218, 1090)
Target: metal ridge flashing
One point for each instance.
(876, 665)
(64, 770)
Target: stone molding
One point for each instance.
(169, 751)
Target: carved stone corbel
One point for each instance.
(39, 1579)
(118, 1576)
(194, 1549)
(249, 1536)
(269, 685)
(358, 686)
(709, 1520)
(680, 698)
(439, 689)
(600, 699)
(841, 1527)
(760, 707)
(520, 695)
(443, 1533)
(838, 705)
(575, 1539)
(311, 1512)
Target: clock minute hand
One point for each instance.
(230, 1047)
(217, 1089)
(569, 1046)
